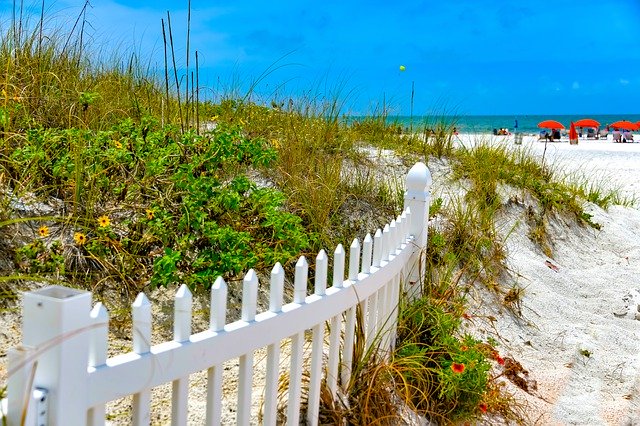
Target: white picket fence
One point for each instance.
(60, 375)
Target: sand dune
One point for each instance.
(579, 336)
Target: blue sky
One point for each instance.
(463, 57)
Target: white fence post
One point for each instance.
(417, 199)
(56, 328)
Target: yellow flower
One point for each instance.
(79, 238)
(149, 214)
(117, 144)
(43, 231)
(214, 118)
(275, 143)
(17, 98)
(104, 221)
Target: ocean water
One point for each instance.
(486, 123)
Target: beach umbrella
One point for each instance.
(573, 134)
(550, 124)
(625, 125)
(587, 122)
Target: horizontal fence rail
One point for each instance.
(61, 375)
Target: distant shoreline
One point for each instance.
(483, 124)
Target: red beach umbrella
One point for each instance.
(625, 125)
(573, 134)
(587, 122)
(550, 124)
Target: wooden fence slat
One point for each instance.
(218, 313)
(377, 248)
(99, 343)
(183, 304)
(295, 379)
(297, 340)
(347, 349)
(393, 237)
(404, 228)
(322, 265)
(141, 312)
(393, 321)
(245, 373)
(367, 250)
(386, 242)
(372, 309)
(338, 267)
(317, 345)
(389, 310)
(350, 321)
(336, 322)
(354, 260)
(276, 292)
(217, 321)
(300, 283)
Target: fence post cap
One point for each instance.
(419, 178)
(57, 292)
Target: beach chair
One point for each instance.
(591, 133)
(602, 134)
(617, 137)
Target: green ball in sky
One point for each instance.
(402, 68)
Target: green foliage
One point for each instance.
(450, 370)
(38, 258)
(204, 214)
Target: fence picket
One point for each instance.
(354, 260)
(141, 312)
(393, 237)
(245, 371)
(317, 339)
(297, 340)
(367, 250)
(322, 265)
(336, 321)
(183, 303)
(99, 344)
(217, 321)
(276, 291)
(404, 228)
(386, 243)
(350, 321)
(300, 282)
(372, 305)
(377, 248)
(338, 267)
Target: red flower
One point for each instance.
(457, 368)
(466, 316)
(464, 348)
(500, 360)
(482, 407)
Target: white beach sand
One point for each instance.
(579, 336)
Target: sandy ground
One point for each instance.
(578, 335)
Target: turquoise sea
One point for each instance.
(486, 123)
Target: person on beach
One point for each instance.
(627, 136)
